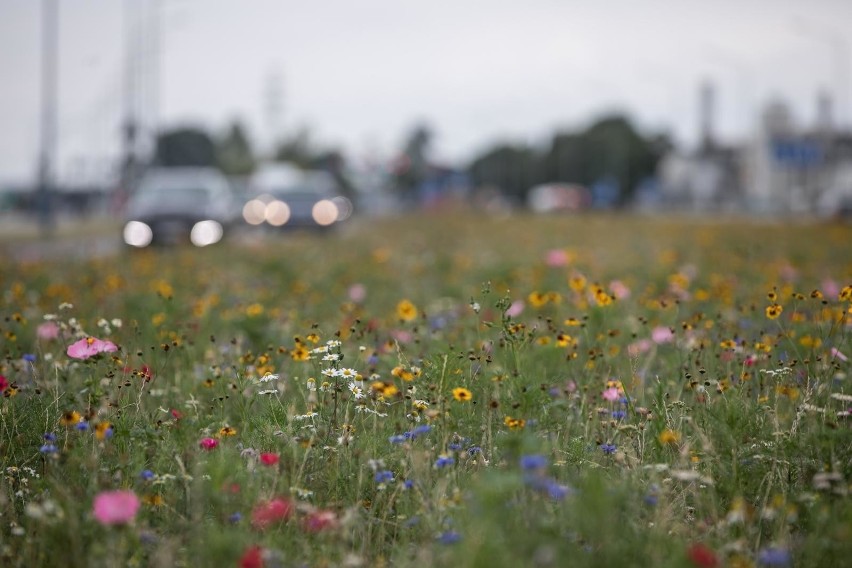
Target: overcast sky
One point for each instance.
(361, 73)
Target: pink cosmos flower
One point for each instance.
(619, 289)
(268, 458)
(47, 331)
(556, 258)
(115, 507)
(208, 443)
(89, 347)
(516, 309)
(638, 347)
(610, 394)
(266, 513)
(357, 293)
(662, 334)
(835, 353)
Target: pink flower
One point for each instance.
(401, 335)
(619, 289)
(47, 331)
(89, 347)
(208, 443)
(556, 258)
(662, 334)
(318, 521)
(516, 309)
(115, 507)
(610, 394)
(268, 458)
(835, 353)
(638, 347)
(265, 513)
(357, 293)
(3, 383)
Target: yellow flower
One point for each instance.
(300, 353)
(406, 311)
(577, 283)
(537, 299)
(845, 294)
(461, 394)
(103, 430)
(773, 311)
(227, 431)
(254, 310)
(601, 297)
(514, 423)
(71, 418)
(669, 436)
(154, 500)
(572, 322)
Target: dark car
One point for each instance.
(286, 197)
(180, 205)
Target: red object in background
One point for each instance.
(702, 556)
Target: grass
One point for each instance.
(606, 390)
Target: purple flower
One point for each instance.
(449, 537)
(454, 446)
(473, 450)
(29, 357)
(408, 484)
(424, 429)
(398, 438)
(147, 475)
(48, 449)
(619, 414)
(444, 461)
(49, 437)
(384, 476)
(608, 449)
(774, 556)
(235, 518)
(534, 461)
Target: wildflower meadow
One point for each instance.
(435, 390)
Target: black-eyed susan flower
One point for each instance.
(845, 294)
(668, 437)
(462, 394)
(406, 310)
(227, 431)
(103, 430)
(70, 418)
(773, 311)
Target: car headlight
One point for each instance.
(324, 212)
(138, 234)
(276, 213)
(206, 233)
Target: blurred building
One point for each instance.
(783, 168)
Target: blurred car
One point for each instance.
(180, 205)
(284, 196)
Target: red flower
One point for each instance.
(701, 555)
(3, 383)
(252, 558)
(209, 443)
(176, 414)
(268, 458)
(275, 510)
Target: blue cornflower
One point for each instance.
(235, 518)
(423, 429)
(444, 461)
(473, 450)
(556, 490)
(408, 484)
(449, 537)
(619, 414)
(398, 438)
(454, 446)
(147, 475)
(774, 556)
(384, 476)
(82, 426)
(49, 437)
(534, 461)
(29, 357)
(651, 500)
(608, 448)
(48, 449)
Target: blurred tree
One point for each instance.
(234, 153)
(185, 147)
(297, 149)
(412, 167)
(512, 169)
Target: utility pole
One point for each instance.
(49, 99)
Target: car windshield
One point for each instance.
(172, 195)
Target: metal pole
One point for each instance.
(49, 98)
